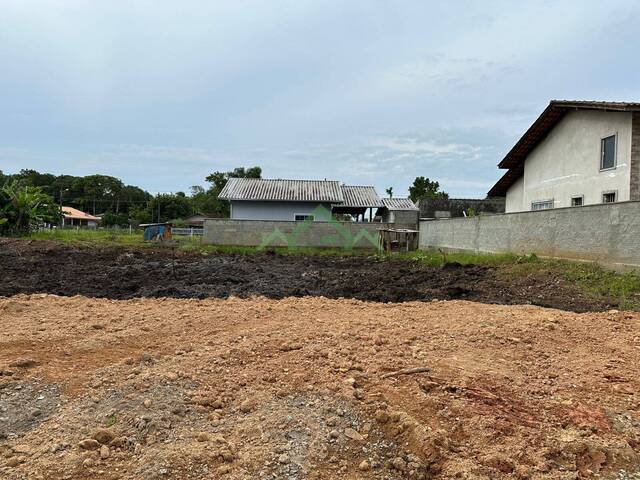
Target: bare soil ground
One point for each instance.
(315, 388)
(28, 266)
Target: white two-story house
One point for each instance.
(576, 153)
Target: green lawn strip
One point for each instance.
(591, 278)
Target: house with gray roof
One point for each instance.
(297, 200)
(399, 210)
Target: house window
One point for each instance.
(608, 153)
(301, 217)
(542, 205)
(609, 197)
(577, 201)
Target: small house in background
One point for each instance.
(72, 217)
(277, 199)
(399, 210)
(195, 221)
(298, 200)
(158, 232)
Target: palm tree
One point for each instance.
(389, 192)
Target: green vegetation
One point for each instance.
(437, 259)
(591, 278)
(124, 205)
(111, 421)
(425, 188)
(23, 208)
(89, 238)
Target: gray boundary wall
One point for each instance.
(273, 233)
(608, 234)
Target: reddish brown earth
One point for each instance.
(314, 388)
(48, 267)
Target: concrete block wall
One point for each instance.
(635, 157)
(608, 234)
(254, 233)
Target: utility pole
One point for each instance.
(62, 190)
(60, 209)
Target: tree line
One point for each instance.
(29, 198)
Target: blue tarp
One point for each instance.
(153, 231)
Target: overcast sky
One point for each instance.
(160, 93)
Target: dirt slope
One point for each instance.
(49, 267)
(301, 388)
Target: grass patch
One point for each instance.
(92, 237)
(623, 287)
(111, 421)
(437, 259)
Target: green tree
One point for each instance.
(389, 191)
(424, 188)
(167, 206)
(220, 208)
(102, 193)
(24, 207)
(110, 219)
(94, 193)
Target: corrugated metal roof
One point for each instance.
(263, 189)
(360, 196)
(399, 204)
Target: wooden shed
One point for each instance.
(398, 240)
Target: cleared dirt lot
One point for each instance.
(50, 267)
(305, 388)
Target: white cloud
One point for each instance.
(162, 94)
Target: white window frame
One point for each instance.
(609, 192)
(309, 216)
(538, 202)
(615, 152)
(577, 196)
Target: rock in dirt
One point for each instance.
(118, 442)
(381, 416)
(284, 458)
(89, 444)
(13, 462)
(353, 435)
(104, 452)
(399, 464)
(23, 363)
(247, 406)
(104, 436)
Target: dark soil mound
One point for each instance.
(28, 266)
